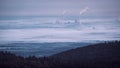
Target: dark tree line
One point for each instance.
(102, 55)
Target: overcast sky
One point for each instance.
(57, 7)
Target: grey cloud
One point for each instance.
(54, 7)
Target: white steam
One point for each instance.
(84, 10)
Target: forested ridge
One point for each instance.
(101, 55)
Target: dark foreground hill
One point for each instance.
(102, 55)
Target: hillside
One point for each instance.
(102, 55)
(101, 50)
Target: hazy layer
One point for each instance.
(53, 29)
